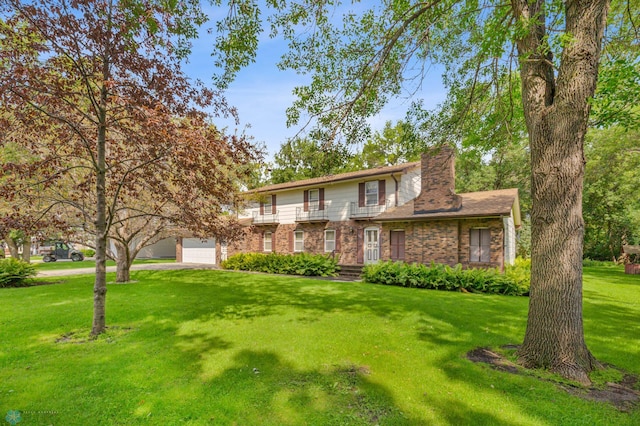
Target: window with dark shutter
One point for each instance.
(371, 193)
(361, 194)
(273, 204)
(268, 205)
(314, 200)
(305, 200)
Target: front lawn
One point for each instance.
(213, 347)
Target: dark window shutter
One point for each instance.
(261, 242)
(360, 242)
(474, 245)
(273, 240)
(273, 204)
(321, 201)
(261, 208)
(397, 239)
(393, 244)
(382, 196)
(291, 238)
(305, 198)
(361, 194)
(338, 245)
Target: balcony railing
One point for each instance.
(312, 215)
(366, 212)
(266, 219)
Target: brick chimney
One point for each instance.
(437, 193)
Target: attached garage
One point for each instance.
(195, 250)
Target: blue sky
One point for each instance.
(262, 93)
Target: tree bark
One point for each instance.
(100, 284)
(123, 262)
(13, 247)
(26, 249)
(557, 114)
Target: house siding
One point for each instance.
(339, 196)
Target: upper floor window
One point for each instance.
(314, 199)
(480, 245)
(371, 193)
(268, 206)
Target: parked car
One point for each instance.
(55, 250)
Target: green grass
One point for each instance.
(67, 264)
(183, 345)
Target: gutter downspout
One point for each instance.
(396, 192)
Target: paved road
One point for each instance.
(143, 267)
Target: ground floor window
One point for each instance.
(329, 240)
(480, 245)
(267, 241)
(298, 241)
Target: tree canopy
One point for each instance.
(555, 47)
(95, 92)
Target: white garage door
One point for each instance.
(195, 250)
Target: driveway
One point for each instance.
(143, 267)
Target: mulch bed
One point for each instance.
(623, 395)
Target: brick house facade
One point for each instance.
(405, 212)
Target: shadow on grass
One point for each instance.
(260, 388)
(237, 296)
(163, 360)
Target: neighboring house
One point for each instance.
(406, 212)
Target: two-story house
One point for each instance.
(405, 212)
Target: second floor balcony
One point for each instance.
(311, 215)
(266, 219)
(366, 212)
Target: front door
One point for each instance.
(371, 245)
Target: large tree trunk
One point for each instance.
(554, 338)
(557, 114)
(123, 262)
